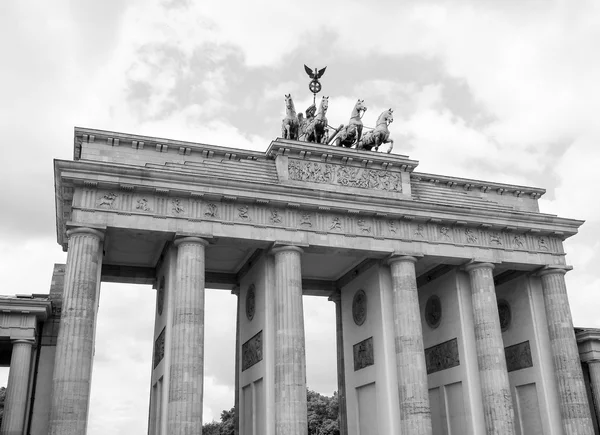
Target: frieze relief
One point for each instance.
(518, 356)
(442, 356)
(348, 176)
(321, 220)
(252, 351)
(363, 354)
(159, 348)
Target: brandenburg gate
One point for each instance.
(451, 305)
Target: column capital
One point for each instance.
(549, 270)
(23, 341)
(394, 258)
(277, 248)
(472, 265)
(235, 290)
(192, 240)
(85, 230)
(335, 296)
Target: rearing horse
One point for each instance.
(350, 134)
(380, 135)
(290, 124)
(317, 131)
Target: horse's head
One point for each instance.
(289, 103)
(358, 109)
(386, 117)
(324, 104)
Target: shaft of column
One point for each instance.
(594, 367)
(15, 404)
(495, 387)
(413, 392)
(341, 365)
(71, 381)
(236, 417)
(186, 369)
(290, 359)
(574, 408)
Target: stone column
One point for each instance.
(495, 388)
(71, 381)
(341, 366)
(290, 359)
(236, 400)
(574, 408)
(415, 414)
(13, 422)
(594, 367)
(186, 368)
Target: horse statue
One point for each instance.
(290, 124)
(316, 130)
(350, 134)
(380, 135)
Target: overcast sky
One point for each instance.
(497, 90)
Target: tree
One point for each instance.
(322, 417)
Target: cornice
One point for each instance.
(25, 305)
(111, 138)
(483, 186)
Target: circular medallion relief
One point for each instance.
(160, 296)
(250, 302)
(359, 307)
(504, 314)
(433, 311)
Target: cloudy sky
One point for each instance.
(496, 90)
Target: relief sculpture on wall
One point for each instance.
(252, 351)
(518, 356)
(363, 178)
(159, 348)
(442, 356)
(363, 354)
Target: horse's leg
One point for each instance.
(391, 146)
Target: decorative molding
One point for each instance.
(252, 351)
(159, 348)
(433, 311)
(518, 356)
(326, 220)
(504, 314)
(349, 176)
(251, 302)
(442, 356)
(363, 354)
(359, 307)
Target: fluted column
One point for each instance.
(341, 366)
(15, 405)
(415, 414)
(574, 408)
(186, 368)
(236, 405)
(495, 387)
(290, 359)
(594, 367)
(71, 381)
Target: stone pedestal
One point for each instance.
(75, 343)
(290, 358)
(574, 408)
(415, 414)
(13, 422)
(186, 369)
(341, 366)
(495, 388)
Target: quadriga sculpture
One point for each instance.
(351, 133)
(379, 135)
(290, 124)
(316, 130)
